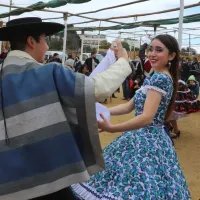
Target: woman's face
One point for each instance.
(85, 70)
(158, 55)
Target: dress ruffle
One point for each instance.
(85, 192)
(186, 101)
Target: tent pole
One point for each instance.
(1, 44)
(155, 28)
(10, 9)
(134, 45)
(99, 36)
(189, 44)
(180, 30)
(82, 44)
(65, 38)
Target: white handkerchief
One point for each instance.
(108, 60)
(100, 109)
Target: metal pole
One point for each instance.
(134, 45)
(65, 38)
(119, 37)
(189, 44)
(0, 46)
(82, 43)
(99, 37)
(10, 9)
(180, 30)
(155, 28)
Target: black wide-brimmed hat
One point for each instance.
(28, 25)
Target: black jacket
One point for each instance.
(88, 62)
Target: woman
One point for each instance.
(142, 163)
(70, 62)
(186, 103)
(83, 70)
(195, 69)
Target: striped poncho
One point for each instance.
(51, 124)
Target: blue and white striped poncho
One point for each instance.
(51, 123)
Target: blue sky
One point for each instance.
(149, 6)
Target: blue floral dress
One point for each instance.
(140, 164)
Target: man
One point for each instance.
(55, 58)
(77, 64)
(195, 69)
(70, 62)
(49, 135)
(92, 62)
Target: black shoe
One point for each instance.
(176, 135)
(171, 128)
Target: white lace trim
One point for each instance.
(156, 89)
(86, 195)
(180, 81)
(180, 113)
(184, 91)
(83, 193)
(194, 101)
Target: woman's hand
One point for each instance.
(105, 125)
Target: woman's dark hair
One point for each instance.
(70, 56)
(172, 45)
(80, 70)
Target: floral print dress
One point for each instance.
(141, 164)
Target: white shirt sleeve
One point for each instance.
(107, 82)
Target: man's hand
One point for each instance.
(119, 51)
(122, 53)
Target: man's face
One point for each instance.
(94, 55)
(40, 48)
(191, 82)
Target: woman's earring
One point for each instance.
(169, 64)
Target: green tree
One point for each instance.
(126, 45)
(188, 51)
(192, 51)
(104, 44)
(73, 41)
(55, 44)
(136, 49)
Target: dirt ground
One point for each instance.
(187, 146)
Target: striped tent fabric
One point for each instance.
(51, 125)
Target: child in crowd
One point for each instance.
(193, 85)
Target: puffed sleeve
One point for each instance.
(160, 83)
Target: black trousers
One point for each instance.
(65, 194)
